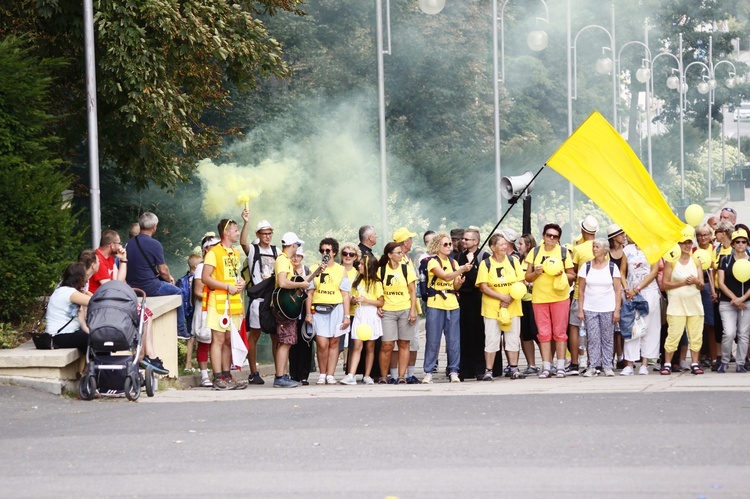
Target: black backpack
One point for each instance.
(264, 289)
(426, 290)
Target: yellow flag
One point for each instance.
(598, 161)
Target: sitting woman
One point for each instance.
(66, 322)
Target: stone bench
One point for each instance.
(57, 370)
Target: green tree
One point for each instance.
(38, 237)
(161, 66)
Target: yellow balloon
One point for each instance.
(741, 270)
(517, 290)
(704, 257)
(364, 332)
(673, 254)
(552, 266)
(694, 215)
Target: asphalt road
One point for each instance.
(682, 444)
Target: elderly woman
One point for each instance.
(683, 280)
(704, 236)
(66, 322)
(599, 300)
(732, 306)
(327, 308)
(641, 280)
(399, 309)
(550, 302)
(444, 278)
(495, 275)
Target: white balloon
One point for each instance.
(537, 40)
(431, 7)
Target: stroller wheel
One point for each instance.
(133, 387)
(150, 381)
(87, 387)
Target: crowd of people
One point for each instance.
(591, 308)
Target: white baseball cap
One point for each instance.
(290, 238)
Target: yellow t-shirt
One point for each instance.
(329, 285)
(405, 261)
(352, 274)
(499, 277)
(582, 253)
(543, 290)
(447, 300)
(396, 288)
(724, 251)
(374, 292)
(283, 265)
(226, 264)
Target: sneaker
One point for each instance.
(321, 379)
(544, 374)
(219, 384)
(741, 368)
(643, 371)
(506, 372)
(561, 373)
(454, 378)
(582, 363)
(530, 370)
(747, 365)
(368, 380)
(427, 380)
(412, 380)
(284, 382)
(330, 380)
(621, 364)
(722, 368)
(627, 371)
(517, 375)
(571, 370)
(392, 381)
(304, 382)
(348, 380)
(154, 364)
(206, 383)
(715, 365)
(255, 379)
(609, 372)
(233, 385)
(591, 373)
(487, 376)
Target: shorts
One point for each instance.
(552, 320)
(253, 314)
(414, 342)
(286, 329)
(213, 321)
(396, 326)
(329, 325)
(573, 314)
(492, 334)
(201, 354)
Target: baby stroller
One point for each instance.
(115, 325)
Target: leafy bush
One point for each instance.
(38, 237)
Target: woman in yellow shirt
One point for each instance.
(444, 278)
(494, 277)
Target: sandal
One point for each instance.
(401, 380)
(666, 370)
(382, 381)
(696, 369)
(544, 374)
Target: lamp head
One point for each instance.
(431, 7)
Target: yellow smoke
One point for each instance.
(225, 184)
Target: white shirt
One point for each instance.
(600, 291)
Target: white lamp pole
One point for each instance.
(93, 130)
(537, 41)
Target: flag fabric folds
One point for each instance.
(598, 161)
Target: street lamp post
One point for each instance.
(430, 7)
(93, 129)
(537, 41)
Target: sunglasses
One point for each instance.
(552, 236)
(346, 253)
(740, 241)
(447, 245)
(265, 233)
(326, 251)
(730, 210)
(229, 222)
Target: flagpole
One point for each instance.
(511, 203)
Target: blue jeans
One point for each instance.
(167, 289)
(439, 321)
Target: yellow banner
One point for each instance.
(598, 161)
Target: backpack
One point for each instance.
(611, 268)
(426, 290)
(185, 283)
(248, 268)
(563, 253)
(264, 289)
(511, 258)
(404, 270)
